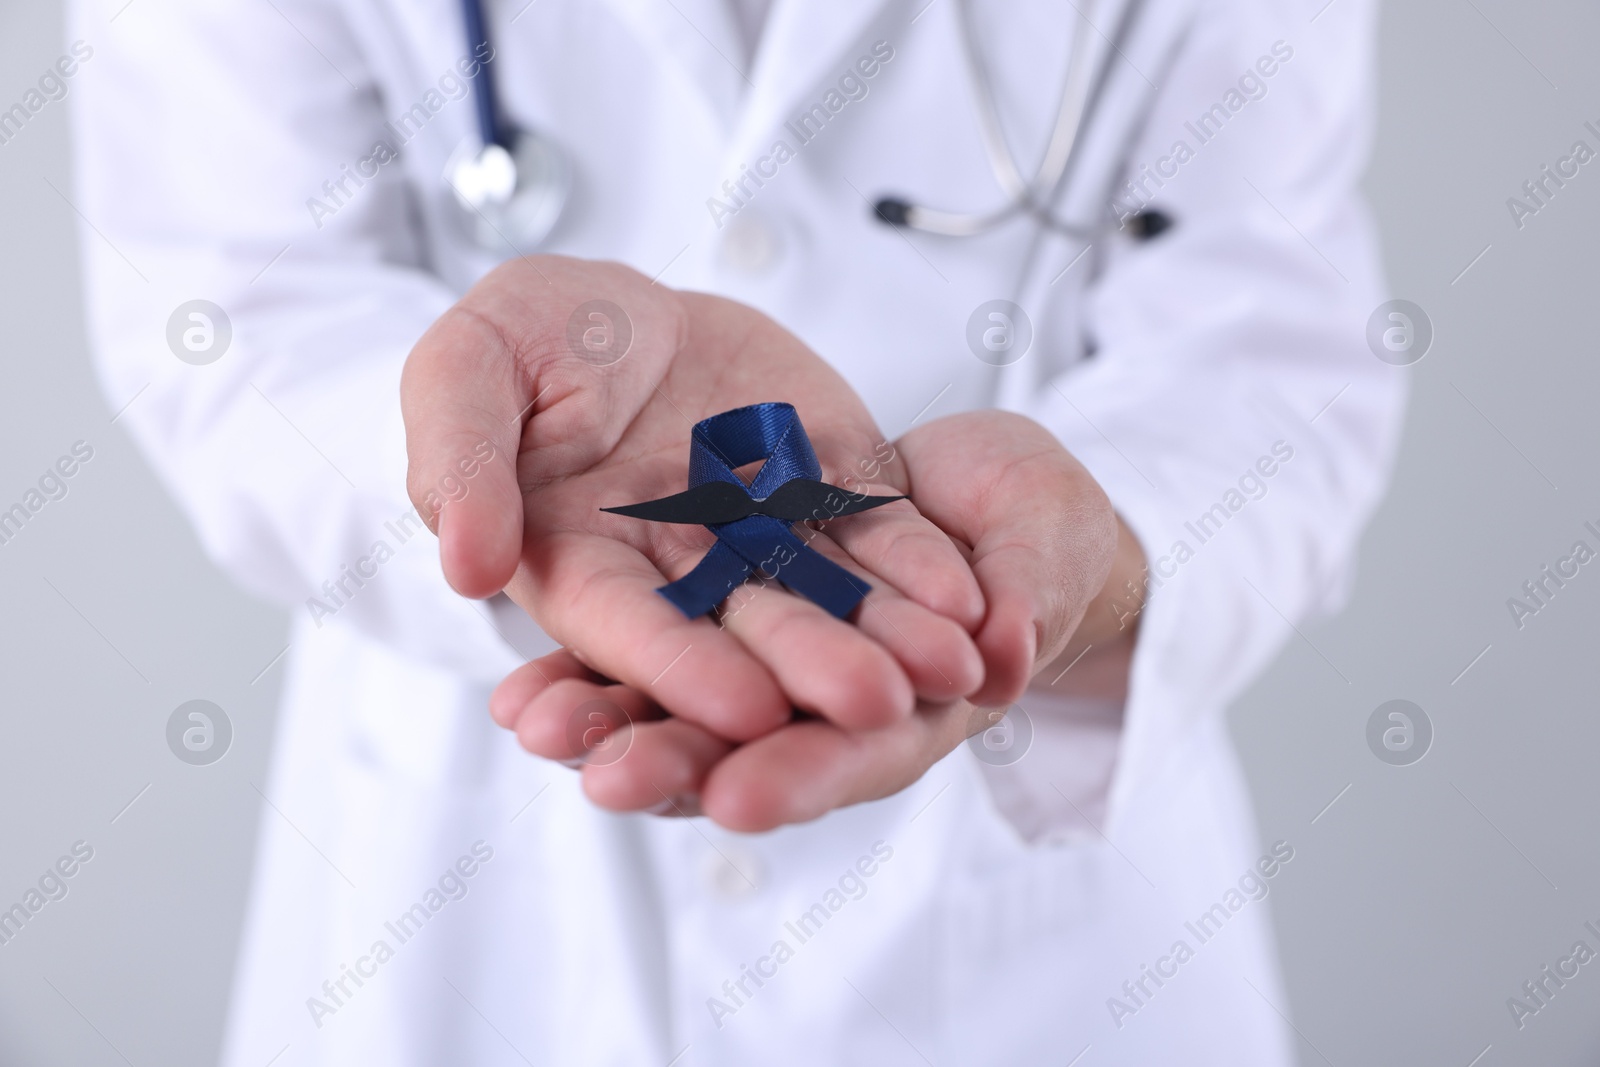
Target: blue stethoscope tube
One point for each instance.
(486, 100)
(512, 185)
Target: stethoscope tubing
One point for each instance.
(1080, 96)
(492, 128)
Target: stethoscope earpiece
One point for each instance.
(892, 211)
(1149, 224)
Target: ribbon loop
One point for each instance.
(752, 524)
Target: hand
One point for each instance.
(1043, 540)
(498, 369)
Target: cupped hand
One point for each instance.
(592, 377)
(1042, 540)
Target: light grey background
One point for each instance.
(1418, 901)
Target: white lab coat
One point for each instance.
(999, 925)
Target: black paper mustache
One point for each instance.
(717, 502)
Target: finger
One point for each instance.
(824, 665)
(916, 570)
(461, 393)
(1040, 528)
(934, 650)
(598, 596)
(937, 654)
(518, 689)
(908, 551)
(499, 374)
(1033, 607)
(662, 771)
(633, 760)
(1009, 639)
(861, 675)
(576, 719)
(809, 768)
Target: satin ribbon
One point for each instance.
(752, 524)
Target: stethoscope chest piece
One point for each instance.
(510, 199)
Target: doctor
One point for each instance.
(1184, 318)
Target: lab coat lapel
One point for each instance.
(805, 45)
(697, 38)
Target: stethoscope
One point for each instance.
(511, 189)
(512, 185)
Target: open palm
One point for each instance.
(608, 423)
(1042, 538)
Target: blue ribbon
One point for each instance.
(759, 543)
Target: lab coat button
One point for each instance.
(751, 245)
(734, 872)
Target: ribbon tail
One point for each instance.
(802, 569)
(823, 582)
(709, 584)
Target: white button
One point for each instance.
(735, 872)
(751, 244)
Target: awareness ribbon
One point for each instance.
(752, 525)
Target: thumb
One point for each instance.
(1037, 599)
(463, 397)
(1015, 581)
(1041, 531)
(499, 368)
